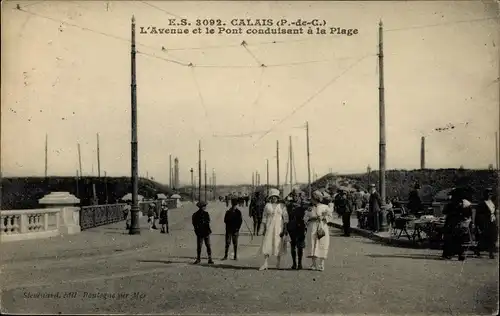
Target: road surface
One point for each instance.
(360, 277)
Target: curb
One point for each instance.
(401, 243)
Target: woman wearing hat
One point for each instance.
(486, 225)
(318, 233)
(275, 219)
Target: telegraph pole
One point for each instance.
(381, 226)
(170, 172)
(267, 180)
(80, 160)
(253, 181)
(46, 154)
(98, 158)
(134, 212)
(291, 164)
(199, 170)
(308, 162)
(206, 181)
(106, 185)
(192, 185)
(77, 185)
(214, 184)
(278, 166)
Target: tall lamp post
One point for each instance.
(192, 185)
(134, 212)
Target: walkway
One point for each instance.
(360, 277)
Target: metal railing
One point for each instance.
(98, 215)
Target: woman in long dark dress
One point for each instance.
(486, 225)
(456, 228)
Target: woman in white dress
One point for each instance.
(274, 220)
(317, 219)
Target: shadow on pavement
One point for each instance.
(416, 256)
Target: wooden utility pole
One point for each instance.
(77, 185)
(192, 185)
(199, 171)
(278, 166)
(46, 154)
(214, 184)
(497, 162)
(106, 185)
(422, 153)
(98, 158)
(267, 177)
(381, 226)
(170, 172)
(80, 160)
(308, 162)
(206, 181)
(253, 182)
(134, 212)
(291, 164)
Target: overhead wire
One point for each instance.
(303, 104)
(160, 9)
(202, 101)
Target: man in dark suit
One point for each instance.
(233, 221)
(201, 225)
(296, 207)
(343, 207)
(374, 208)
(486, 225)
(256, 209)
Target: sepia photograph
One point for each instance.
(250, 157)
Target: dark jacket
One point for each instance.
(343, 204)
(483, 216)
(296, 209)
(233, 220)
(201, 223)
(375, 202)
(414, 201)
(257, 204)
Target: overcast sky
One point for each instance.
(72, 83)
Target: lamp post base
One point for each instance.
(134, 222)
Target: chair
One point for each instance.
(401, 223)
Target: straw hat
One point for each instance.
(274, 192)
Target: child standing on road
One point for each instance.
(233, 221)
(201, 225)
(164, 217)
(152, 216)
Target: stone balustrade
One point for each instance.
(29, 224)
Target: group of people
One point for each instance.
(294, 222)
(460, 225)
(153, 215)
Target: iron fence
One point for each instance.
(98, 215)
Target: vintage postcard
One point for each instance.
(249, 157)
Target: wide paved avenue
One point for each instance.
(360, 277)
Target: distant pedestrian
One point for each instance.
(152, 216)
(318, 232)
(127, 213)
(233, 221)
(486, 225)
(201, 225)
(227, 200)
(275, 220)
(256, 211)
(343, 207)
(374, 209)
(164, 217)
